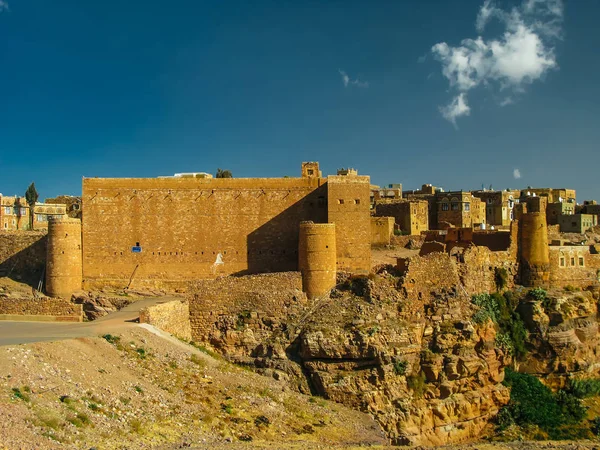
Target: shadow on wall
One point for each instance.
(273, 247)
(26, 265)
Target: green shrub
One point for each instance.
(537, 294)
(501, 309)
(595, 426)
(112, 339)
(488, 305)
(505, 343)
(532, 403)
(583, 388)
(400, 366)
(21, 395)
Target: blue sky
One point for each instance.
(148, 88)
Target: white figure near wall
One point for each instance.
(218, 262)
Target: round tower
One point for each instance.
(63, 259)
(317, 258)
(535, 257)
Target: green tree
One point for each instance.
(224, 173)
(31, 196)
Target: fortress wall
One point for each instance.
(348, 207)
(23, 255)
(183, 224)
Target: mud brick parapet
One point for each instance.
(43, 309)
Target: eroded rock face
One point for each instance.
(421, 366)
(96, 305)
(563, 332)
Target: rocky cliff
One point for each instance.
(420, 366)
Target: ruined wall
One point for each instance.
(424, 276)
(172, 317)
(348, 208)
(382, 229)
(478, 272)
(230, 312)
(23, 255)
(181, 225)
(42, 309)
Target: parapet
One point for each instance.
(310, 169)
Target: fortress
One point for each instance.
(164, 232)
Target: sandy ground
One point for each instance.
(142, 391)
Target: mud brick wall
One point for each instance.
(426, 275)
(478, 271)
(22, 255)
(172, 317)
(183, 224)
(252, 305)
(411, 216)
(572, 273)
(382, 229)
(60, 310)
(348, 207)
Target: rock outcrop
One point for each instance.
(420, 366)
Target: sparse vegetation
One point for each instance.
(501, 278)
(114, 340)
(17, 393)
(400, 366)
(416, 383)
(584, 387)
(501, 309)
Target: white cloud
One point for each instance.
(3, 6)
(520, 56)
(516, 174)
(458, 107)
(347, 81)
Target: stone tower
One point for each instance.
(317, 258)
(64, 260)
(535, 257)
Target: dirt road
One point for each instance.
(26, 332)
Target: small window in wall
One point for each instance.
(340, 201)
(562, 261)
(357, 201)
(467, 206)
(581, 261)
(572, 260)
(321, 201)
(455, 206)
(310, 172)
